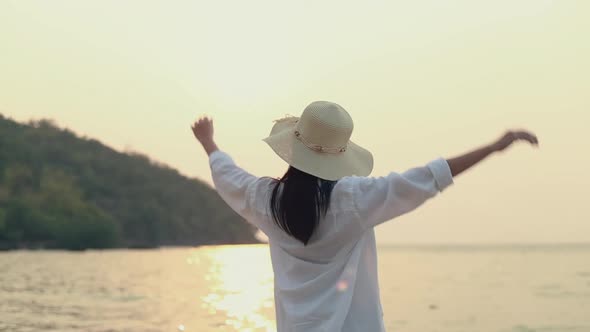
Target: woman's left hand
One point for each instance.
(203, 131)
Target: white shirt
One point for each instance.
(330, 284)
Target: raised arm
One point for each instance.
(232, 183)
(467, 160)
(380, 199)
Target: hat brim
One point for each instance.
(328, 166)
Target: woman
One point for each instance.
(319, 217)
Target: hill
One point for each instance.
(59, 190)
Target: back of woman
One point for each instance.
(320, 216)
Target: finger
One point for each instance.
(528, 137)
(531, 138)
(525, 137)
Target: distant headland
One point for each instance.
(62, 191)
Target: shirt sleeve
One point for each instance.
(381, 199)
(233, 184)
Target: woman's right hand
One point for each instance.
(512, 136)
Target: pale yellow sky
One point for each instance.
(421, 79)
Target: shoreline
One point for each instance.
(426, 247)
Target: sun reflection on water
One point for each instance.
(240, 281)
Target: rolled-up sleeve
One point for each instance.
(233, 184)
(379, 199)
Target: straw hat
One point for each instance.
(319, 144)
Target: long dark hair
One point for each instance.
(299, 200)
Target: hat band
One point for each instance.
(317, 147)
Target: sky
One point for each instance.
(421, 79)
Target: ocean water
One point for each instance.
(229, 288)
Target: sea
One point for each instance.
(511, 288)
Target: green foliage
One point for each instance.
(58, 190)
